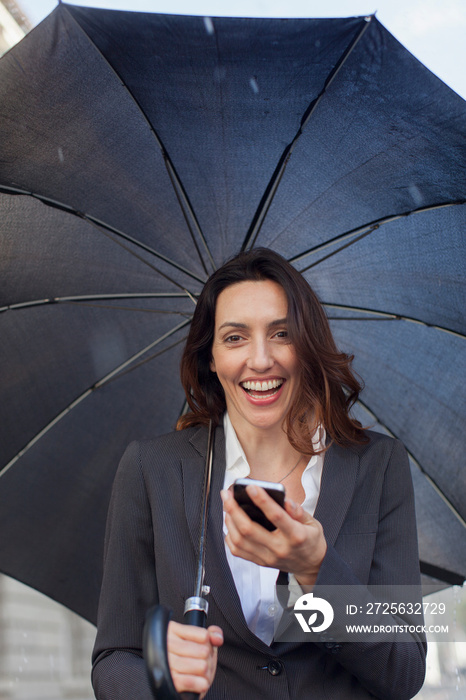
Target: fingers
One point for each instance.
(297, 545)
(245, 538)
(279, 516)
(192, 656)
(260, 497)
(242, 546)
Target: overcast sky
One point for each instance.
(433, 30)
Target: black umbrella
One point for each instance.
(138, 152)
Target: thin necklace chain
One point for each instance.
(290, 472)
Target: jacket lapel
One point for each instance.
(339, 475)
(192, 465)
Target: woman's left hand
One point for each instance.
(297, 546)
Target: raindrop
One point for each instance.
(209, 25)
(61, 157)
(317, 43)
(254, 85)
(416, 194)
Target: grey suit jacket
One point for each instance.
(366, 508)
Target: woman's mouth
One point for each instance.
(262, 389)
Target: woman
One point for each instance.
(260, 361)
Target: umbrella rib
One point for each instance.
(177, 185)
(441, 574)
(98, 297)
(363, 231)
(148, 359)
(183, 199)
(386, 315)
(418, 465)
(139, 257)
(275, 180)
(98, 385)
(107, 228)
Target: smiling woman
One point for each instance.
(261, 363)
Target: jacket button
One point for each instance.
(275, 667)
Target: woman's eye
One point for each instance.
(233, 338)
(281, 334)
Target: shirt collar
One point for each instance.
(237, 466)
(318, 443)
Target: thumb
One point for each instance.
(298, 513)
(215, 635)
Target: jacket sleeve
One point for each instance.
(128, 588)
(391, 670)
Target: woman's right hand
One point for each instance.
(192, 656)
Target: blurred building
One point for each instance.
(44, 648)
(13, 24)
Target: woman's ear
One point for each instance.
(212, 365)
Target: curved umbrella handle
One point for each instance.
(156, 655)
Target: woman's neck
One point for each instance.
(268, 452)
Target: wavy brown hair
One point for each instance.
(328, 387)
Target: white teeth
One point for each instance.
(262, 386)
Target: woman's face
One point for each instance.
(252, 355)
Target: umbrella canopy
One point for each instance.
(137, 153)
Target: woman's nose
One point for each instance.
(260, 358)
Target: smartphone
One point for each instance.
(275, 491)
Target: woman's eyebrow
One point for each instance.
(232, 324)
(235, 324)
(278, 322)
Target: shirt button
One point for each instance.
(275, 667)
(272, 610)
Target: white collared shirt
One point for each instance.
(256, 584)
